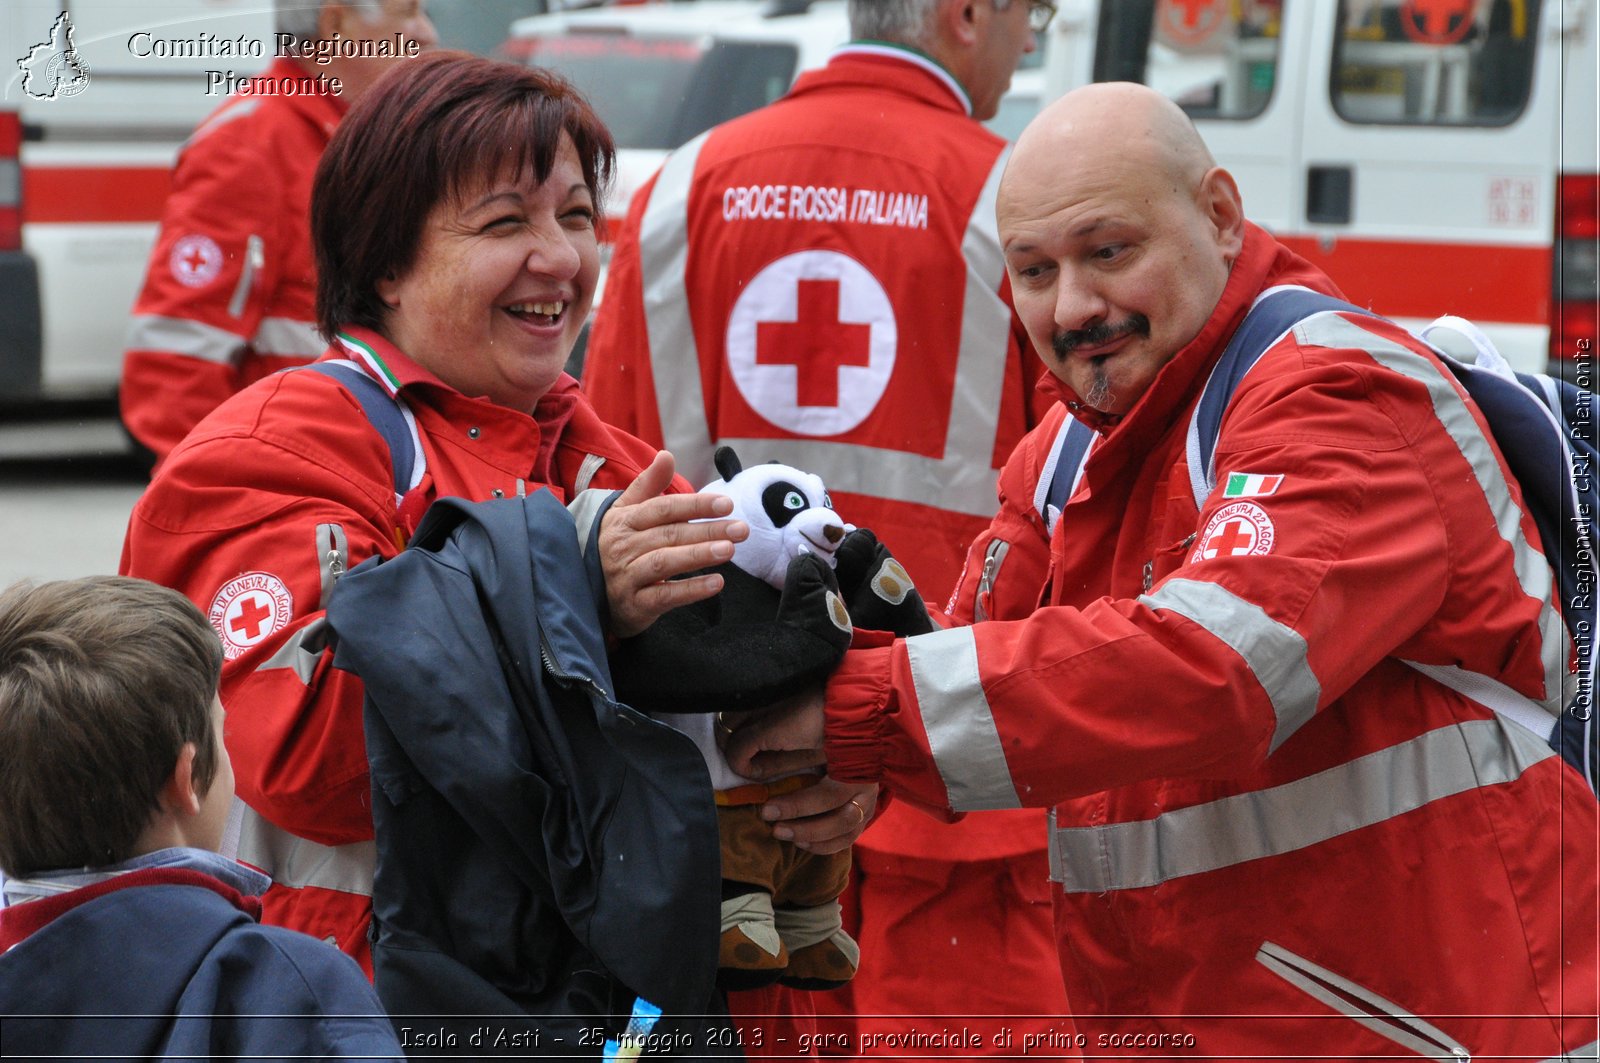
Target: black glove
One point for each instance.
(877, 590)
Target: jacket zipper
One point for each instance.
(1356, 1002)
(993, 558)
(333, 557)
(547, 659)
(255, 258)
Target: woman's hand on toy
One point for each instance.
(648, 538)
(825, 818)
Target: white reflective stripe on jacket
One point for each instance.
(296, 863)
(281, 336)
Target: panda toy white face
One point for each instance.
(788, 511)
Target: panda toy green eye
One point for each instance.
(782, 501)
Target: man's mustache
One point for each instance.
(1067, 342)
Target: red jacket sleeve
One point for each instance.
(253, 553)
(216, 258)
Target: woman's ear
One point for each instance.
(388, 289)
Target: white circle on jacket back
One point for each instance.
(811, 343)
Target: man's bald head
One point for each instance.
(1142, 128)
(1119, 232)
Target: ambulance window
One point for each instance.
(1216, 58)
(659, 92)
(1434, 62)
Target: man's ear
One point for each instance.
(960, 21)
(1223, 206)
(179, 796)
(332, 18)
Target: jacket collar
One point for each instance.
(246, 880)
(382, 360)
(895, 67)
(19, 921)
(398, 373)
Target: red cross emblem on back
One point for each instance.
(816, 343)
(810, 344)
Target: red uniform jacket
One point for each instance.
(1270, 832)
(820, 283)
(230, 292)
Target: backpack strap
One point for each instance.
(1063, 470)
(1275, 312)
(1271, 316)
(388, 414)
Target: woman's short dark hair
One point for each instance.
(102, 681)
(427, 131)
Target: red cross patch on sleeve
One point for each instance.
(248, 609)
(1236, 530)
(195, 260)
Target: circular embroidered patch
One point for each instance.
(1236, 530)
(248, 609)
(195, 260)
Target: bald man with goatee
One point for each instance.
(1275, 829)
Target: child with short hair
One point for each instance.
(125, 932)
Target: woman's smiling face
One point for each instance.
(501, 284)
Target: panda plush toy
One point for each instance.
(780, 625)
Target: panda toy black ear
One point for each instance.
(727, 463)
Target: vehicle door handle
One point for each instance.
(1329, 193)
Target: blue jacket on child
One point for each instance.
(162, 958)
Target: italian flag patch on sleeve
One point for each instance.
(1250, 485)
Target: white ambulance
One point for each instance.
(1433, 156)
(660, 74)
(96, 97)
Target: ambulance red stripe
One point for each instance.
(94, 194)
(1485, 282)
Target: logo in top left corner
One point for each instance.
(54, 69)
